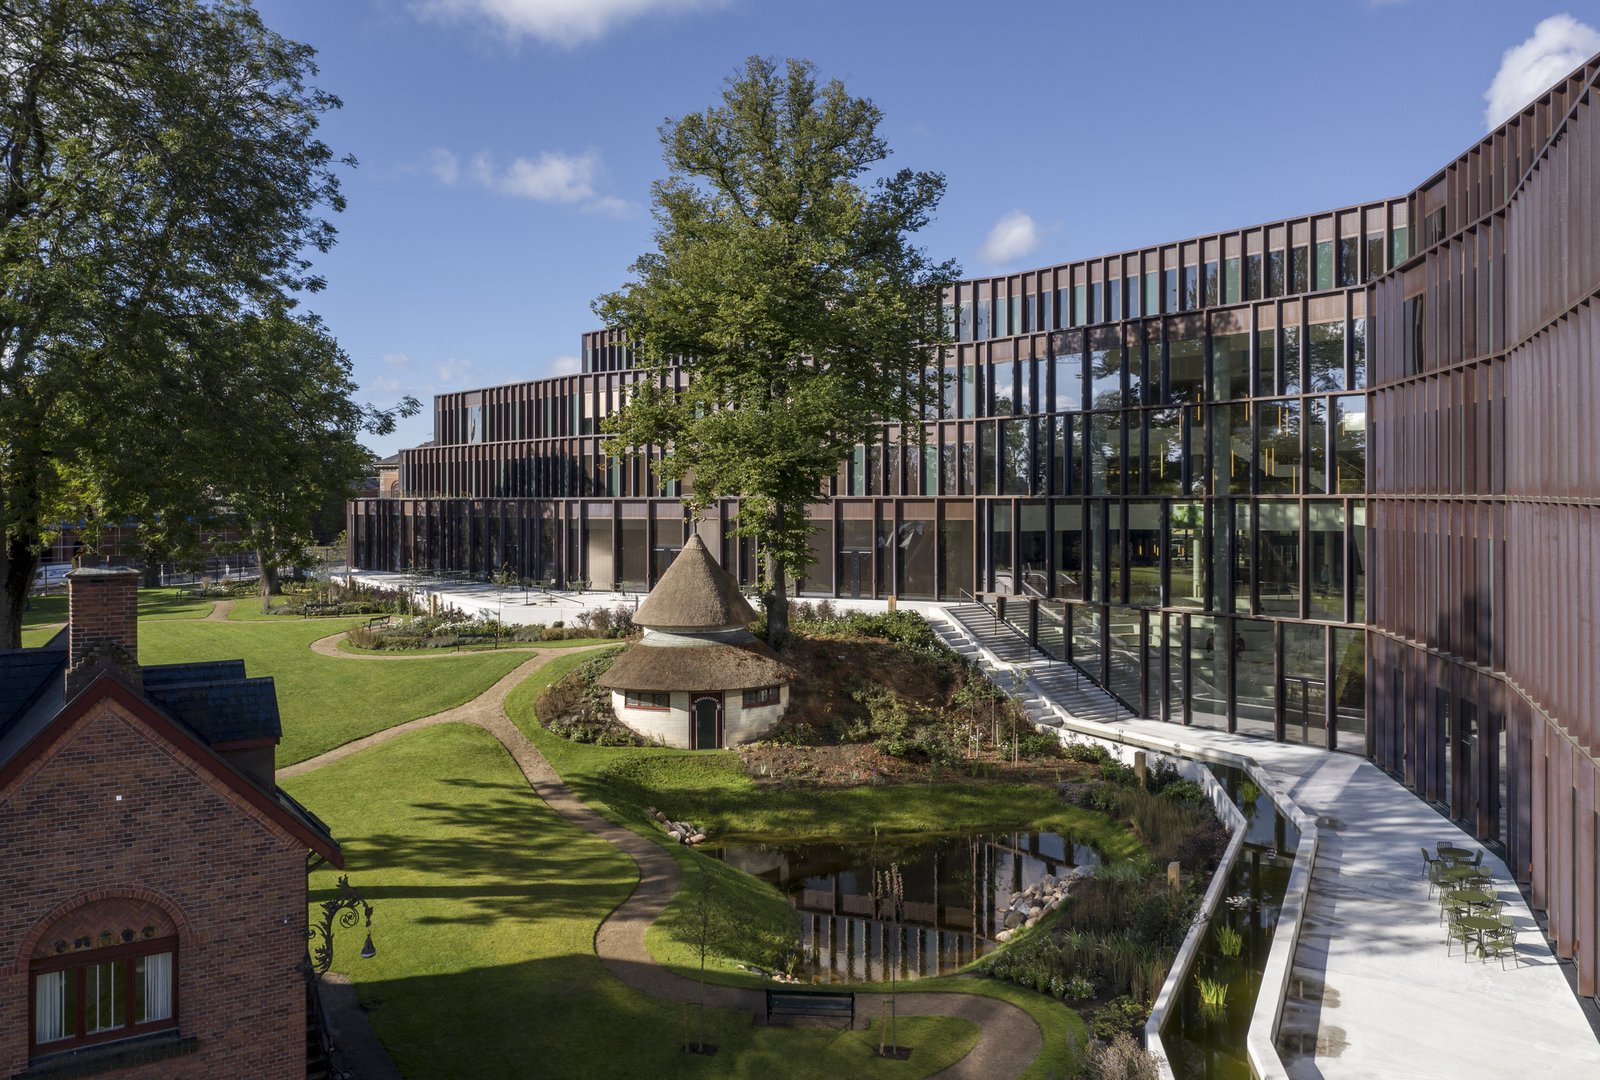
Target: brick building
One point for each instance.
(153, 890)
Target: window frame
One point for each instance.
(126, 954)
(632, 699)
(761, 697)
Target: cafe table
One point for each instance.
(1473, 898)
(1454, 853)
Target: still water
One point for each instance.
(957, 895)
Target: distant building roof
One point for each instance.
(694, 594)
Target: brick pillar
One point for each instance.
(102, 624)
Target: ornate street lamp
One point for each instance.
(340, 910)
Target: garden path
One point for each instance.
(1008, 1041)
(219, 611)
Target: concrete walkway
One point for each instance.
(1009, 1039)
(1373, 995)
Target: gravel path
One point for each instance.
(219, 611)
(1008, 1041)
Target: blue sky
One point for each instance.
(506, 147)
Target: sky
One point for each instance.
(506, 148)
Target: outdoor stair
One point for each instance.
(1055, 687)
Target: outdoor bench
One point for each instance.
(827, 1004)
(626, 587)
(317, 609)
(377, 621)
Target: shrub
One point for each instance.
(1120, 1059)
(1034, 745)
(1118, 774)
(363, 637)
(1088, 753)
(1184, 791)
(1120, 1016)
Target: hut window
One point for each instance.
(639, 699)
(761, 695)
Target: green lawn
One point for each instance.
(486, 908)
(326, 701)
(712, 790)
(164, 603)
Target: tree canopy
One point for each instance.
(787, 285)
(162, 191)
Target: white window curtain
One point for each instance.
(50, 1006)
(156, 973)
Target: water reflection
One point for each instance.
(1209, 1044)
(958, 893)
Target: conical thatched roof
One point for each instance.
(695, 594)
(703, 667)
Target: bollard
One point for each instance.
(1139, 769)
(1175, 874)
(892, 607)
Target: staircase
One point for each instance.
(1054, 687)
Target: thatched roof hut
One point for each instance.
(697, 647)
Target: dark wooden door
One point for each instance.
(705, 711)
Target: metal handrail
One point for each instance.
(1049, 660)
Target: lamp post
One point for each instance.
(341, 910)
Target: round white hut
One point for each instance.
(698, 679)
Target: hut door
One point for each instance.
(706, 713)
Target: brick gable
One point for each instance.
(181, 838)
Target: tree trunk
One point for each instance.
(18, 561)
(777, 599)
(777, 603)
(270, 585)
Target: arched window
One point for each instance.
(105, 971)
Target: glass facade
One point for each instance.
(1160, 456)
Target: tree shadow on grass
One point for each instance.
(498, 856)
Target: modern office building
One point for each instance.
(1323, 479)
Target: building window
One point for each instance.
(103, 995)
(760, 697)
(639, 699)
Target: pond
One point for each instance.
(1206, 1042)
(957, 895)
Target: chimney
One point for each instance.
(102, 624)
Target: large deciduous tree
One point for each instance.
(788, 286)
(296, 429)
(161, 185)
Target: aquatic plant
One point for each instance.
(1229, 942)
(1213, 992)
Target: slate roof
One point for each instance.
(694, 594)
(23, 673)
(224, 712)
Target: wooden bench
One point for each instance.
(826, 1004)
(377, 622)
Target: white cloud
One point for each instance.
(1012, 237)
(565, 365)
(551, 177)
(451, 371)
(556, 22)
(387, 385)
(397, 360)
(1558, 45)
(444, 165)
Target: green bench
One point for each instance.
(824, 1004)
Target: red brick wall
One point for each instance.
(102, 605)
(234, 885)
